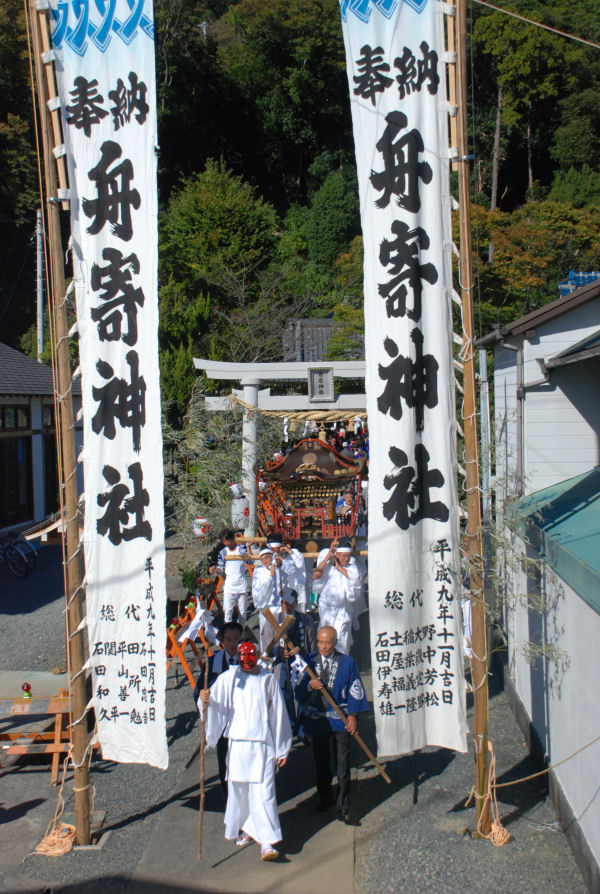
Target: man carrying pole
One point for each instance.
(266, 591)
(245, 704)
(214, 666)
(281, 632)
(331, 737)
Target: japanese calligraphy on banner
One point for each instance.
(105, 68)
(394, 56)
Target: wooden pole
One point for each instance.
(45, 88)
(202, 757)
(479, 660)
(255, 558)
(451, 44)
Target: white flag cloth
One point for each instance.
(105, 69)
(396, 76)
(297, 668)
(202, 619)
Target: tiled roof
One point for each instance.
(20, 375)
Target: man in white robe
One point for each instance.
(268, 584)
(245, 704)
(338, 581)
(293, 566)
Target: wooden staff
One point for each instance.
(280, 631)
(287, 661)
(264, 539)
(268, 614)
(202, 753)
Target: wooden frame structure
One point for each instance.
(24, 740)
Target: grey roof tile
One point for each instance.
(20, 375)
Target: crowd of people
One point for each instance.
(349, 438)
(262, 694)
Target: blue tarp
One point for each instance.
(562, 523)
(576, 280)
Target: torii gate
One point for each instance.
(321, 397)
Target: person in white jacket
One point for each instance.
(245, 704)
(293, 566)
(338, 581)
(235, 586)
(268, 587)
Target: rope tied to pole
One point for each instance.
(60, 837)
(498, 835)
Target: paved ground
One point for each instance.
(412, 835)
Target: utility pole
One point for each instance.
(39, 256)
(51, 136)
(474, 547)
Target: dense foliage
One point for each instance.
(259, 217)
(202, 459)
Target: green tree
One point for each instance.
(347, 339)
(532, 68)
(200, 112)
(333, 219)
(535, 247)
(19, 195)
(287, 59)
(215, 234)
(578, 186)
(577, 140)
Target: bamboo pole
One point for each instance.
(451, 43)
(254, 558)
(479, 662)
(45, 88)
(264, 539)
(202, 759)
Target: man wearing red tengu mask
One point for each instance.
(245, 704)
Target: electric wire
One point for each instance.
(515, 15)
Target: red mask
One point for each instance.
(247, 656)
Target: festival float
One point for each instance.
(297, 495)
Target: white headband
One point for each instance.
(343, 549)
(266, 552)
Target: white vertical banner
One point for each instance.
(104, 56)
(396, 75)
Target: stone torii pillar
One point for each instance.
(250, 387)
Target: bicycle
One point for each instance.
(27, 550)
(16, 561)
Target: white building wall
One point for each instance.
(561, 439)
(561, 419)
(561, 697)
(505, 422)
(573, 688)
